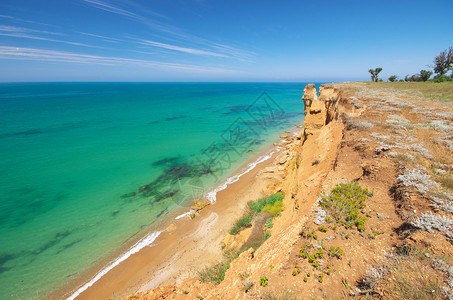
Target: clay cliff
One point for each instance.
(398, 248)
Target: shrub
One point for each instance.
(274, 209)
(424, 75)
(431, 221)
(257, 206)
(345, 203)
(263, 281)
(322, 229)
(393, 78)
(422, 182)
(243, 222)
(440, 78)
(336, 252)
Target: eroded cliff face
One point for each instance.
(366, 139)
(309, 157)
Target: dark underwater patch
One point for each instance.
(166, 161)
(22, 133)
(161, 213)
(4, 258)
(166, 185)
(175, 118)
(67, 246)
(235, 109)
(56, 239)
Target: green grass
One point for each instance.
(272, 204)
(216, 273)
(428, 91)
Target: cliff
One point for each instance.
(346, 138)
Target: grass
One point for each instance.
(272, 204)
(216, 273)
(428, 91)
(406, 274)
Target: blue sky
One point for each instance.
(216, 40)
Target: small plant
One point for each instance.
(329, 272)
(321, 278)
(319, 253)
(305, 279)
(315, 162)
(315, 264)
(192, 216)
(345, 283)
(247, 286)
(312, 235)
(322, 229)
(308, 274)
(263, 281)
(336, 252)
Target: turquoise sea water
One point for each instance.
(86, 167)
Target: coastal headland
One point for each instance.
(367, 211)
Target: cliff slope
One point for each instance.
(393, 155)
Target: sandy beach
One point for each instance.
(185, 246)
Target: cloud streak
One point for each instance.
(15, 53)
(181, 49)
(26, 33)
(206, 47)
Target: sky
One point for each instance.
(219, 40)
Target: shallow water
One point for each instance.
(86, 167)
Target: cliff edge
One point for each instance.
(367, 206)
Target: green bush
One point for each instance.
(272, 204)
(243, 222)
(440, 78)
(393, 78)
(345, 203)
(263, 281)
(257, 206)
(274, 209)
(424, 75)
(336, 252)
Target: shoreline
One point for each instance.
(175, 228)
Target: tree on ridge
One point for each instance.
(374, 74)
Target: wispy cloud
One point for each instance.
(181, 49)
(170, 32)
(27, 33)
(15, 19)
(102, 37)
(5, 28)
(15, 53)
(111, 8)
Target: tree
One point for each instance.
(443, 62)
(424, 75)
(393, 78)
(374, 74)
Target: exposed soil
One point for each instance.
(399, 148)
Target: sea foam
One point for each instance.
(146, 241)
(211, 195)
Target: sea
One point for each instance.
(86, 168)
